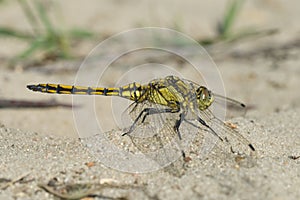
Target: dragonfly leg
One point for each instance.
(178, 123)
(148, 111)
(176, 128)
(207, 126)
(183, 154)
(151, 111)
(133, 124)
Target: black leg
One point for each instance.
(148, 111)
(151, 111)
(176, 128)
(178, 123)
(133, 124)
(183, 154)
(194, 125)
(207, 126)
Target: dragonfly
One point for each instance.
(184, 100)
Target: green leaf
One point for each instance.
(34, 46)
(229, 17)
(4, 31)
(80, 33)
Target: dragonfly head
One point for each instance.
(204, 97)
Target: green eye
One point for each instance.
(204, 97)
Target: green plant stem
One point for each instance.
(45, 19)
(230, 16)
(29, 15)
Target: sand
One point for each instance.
(274, 174)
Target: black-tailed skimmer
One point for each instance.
(184, 100)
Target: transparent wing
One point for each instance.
(229, 138)
(232, 108)
(154, 135)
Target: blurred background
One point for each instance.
(255, 45)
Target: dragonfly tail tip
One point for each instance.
(30, 87)
(34, 87)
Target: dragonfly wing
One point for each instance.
(229, 138)
(154, 137)
(136, 113)
(228, 108)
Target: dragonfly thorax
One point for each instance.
(204, 97)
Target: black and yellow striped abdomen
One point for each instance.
(131, 91)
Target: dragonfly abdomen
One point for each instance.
(131, 91)
(70, 89)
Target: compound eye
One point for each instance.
(206, 94)
(202, 92)
(203, 96)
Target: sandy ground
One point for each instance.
(272, 175)
(41, 145)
